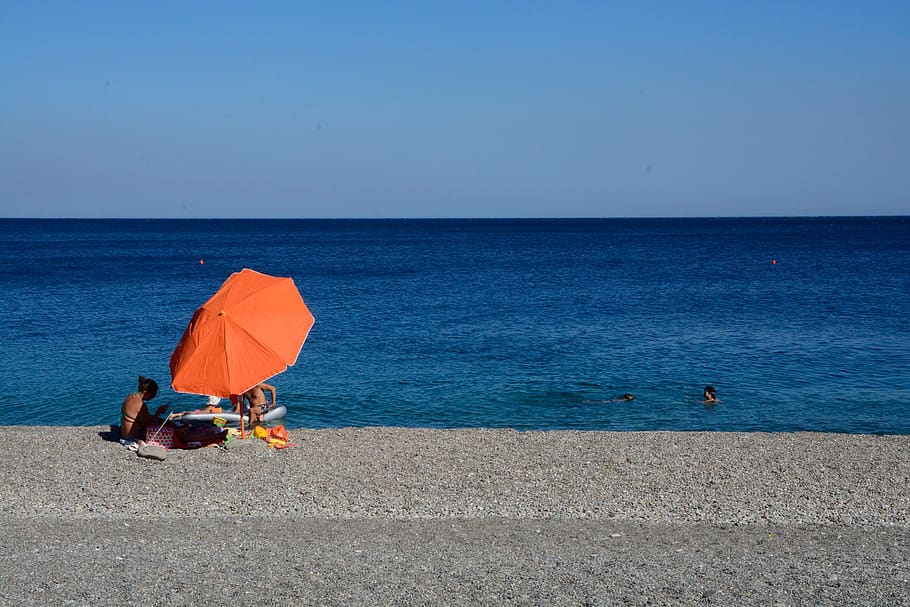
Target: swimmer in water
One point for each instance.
(710, 395)
(619, 399)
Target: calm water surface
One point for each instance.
(528, 324)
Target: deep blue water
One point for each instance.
(528, 324)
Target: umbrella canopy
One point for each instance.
(249, 331)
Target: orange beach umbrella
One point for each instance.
(247, 332)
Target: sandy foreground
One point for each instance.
(387, 516)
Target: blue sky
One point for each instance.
(455, 109)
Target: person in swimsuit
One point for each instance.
(212, 406)
(134, 413)
(255, 396)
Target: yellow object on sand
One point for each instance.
(260, 432)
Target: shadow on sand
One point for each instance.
(112, 435)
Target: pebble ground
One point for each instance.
(388, 516)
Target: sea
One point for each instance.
(801, 324)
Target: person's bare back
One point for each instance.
(258, 403)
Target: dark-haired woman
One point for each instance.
(710, 395)
(134, 414)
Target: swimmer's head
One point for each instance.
(710, 393)
(627, 396)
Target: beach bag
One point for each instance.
(278, 438)
(152, 452)
(162, 437)
(280, 433)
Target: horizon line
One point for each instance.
(457, 218)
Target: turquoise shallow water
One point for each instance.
(529, 324)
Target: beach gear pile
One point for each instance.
(276, 437)
(158, 441)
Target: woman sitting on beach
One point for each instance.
(134, 414)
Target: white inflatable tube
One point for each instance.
(271, 415)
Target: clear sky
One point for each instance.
(454, 109)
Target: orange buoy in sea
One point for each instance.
(773, 262)
(201, 262)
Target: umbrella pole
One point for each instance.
(242, 431)
(169, 416)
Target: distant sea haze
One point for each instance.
(799, 323)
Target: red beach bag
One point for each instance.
(163, 437)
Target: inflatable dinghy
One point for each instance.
(234, 418)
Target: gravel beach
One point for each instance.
(388, 516)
